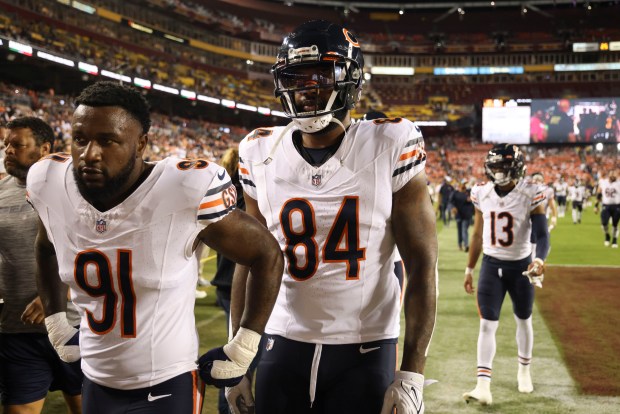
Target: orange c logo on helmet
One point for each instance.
(350, 37)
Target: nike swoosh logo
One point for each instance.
(367, 350)
(152, 398)
(221, 174)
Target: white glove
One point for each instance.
(535, 273)
(404, 394)
(63, 336)
(554, 222)
(240, 398)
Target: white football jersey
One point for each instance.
(561, 188)
(131, 269)
(507, 226)
(333, 224)
(549, 195)
(576, 193)
(610, 191)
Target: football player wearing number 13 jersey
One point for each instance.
(121, 233)
(508, 211)
(338, 197)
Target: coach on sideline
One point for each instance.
(29, 366)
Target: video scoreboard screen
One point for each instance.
(551, 121)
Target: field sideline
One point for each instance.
(452, 357)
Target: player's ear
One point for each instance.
(142, 141)
(45, 149)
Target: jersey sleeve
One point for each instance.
(475, 196)
(44, 178)
(411, 156)
(245, 177)
(539, 197)
(219, 200)
(245, 167)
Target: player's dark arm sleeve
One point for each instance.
(52, 291)
(541, 234)
(244, 240)
(413, 224)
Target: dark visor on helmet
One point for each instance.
(323, 74)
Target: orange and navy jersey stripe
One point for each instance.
(218, 202)
(412, 155)
(539, 198)
(244, 174)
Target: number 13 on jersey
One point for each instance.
(341, 245)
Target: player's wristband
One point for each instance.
(469, 270)
(243, 347)
(416, 378)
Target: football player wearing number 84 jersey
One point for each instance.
(508, 211)
(121, 232)
(339, 197)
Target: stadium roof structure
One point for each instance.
(439, 4)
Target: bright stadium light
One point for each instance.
(599, 147)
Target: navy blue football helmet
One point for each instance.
(319, 71)
(504, 163)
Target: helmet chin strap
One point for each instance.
(315, 124)
(337, 121)
(292, 124)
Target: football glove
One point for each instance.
(225, 366)
(535, 272)
(64, 338)
(404, 394)
(240, 398)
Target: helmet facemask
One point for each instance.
(504, 164)
(312, 87)
(500, 173)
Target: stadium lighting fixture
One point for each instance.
(599, 147)
(401, 11)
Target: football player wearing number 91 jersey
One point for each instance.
(509, 210)
(339, 196)
(121, 232)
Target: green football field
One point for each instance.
(452, 357)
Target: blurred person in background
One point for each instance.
(29, 366)
(443, 200)
(609, 196)
(561, 193)
(463, 211)
(577, 194)
(549, 205)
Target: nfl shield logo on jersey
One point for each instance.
(316, 180)
(101, 226)
(269, 345)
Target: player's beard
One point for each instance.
(111, 187)
(19, 170)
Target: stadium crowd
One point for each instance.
(454, 154)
